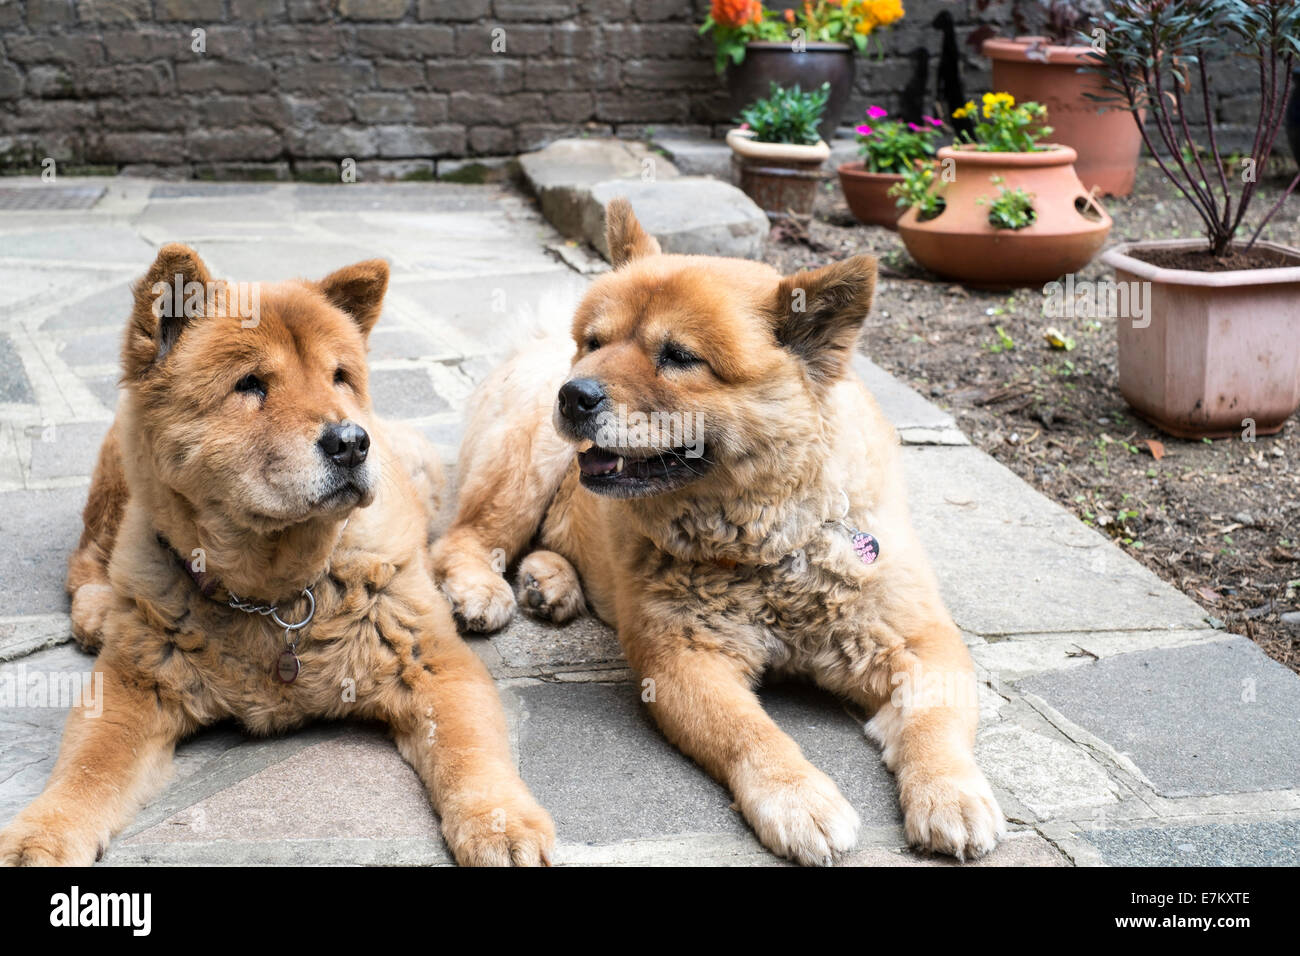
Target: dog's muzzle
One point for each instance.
(581, 401)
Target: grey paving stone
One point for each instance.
(109, 308)
(208, 190)
(39, 286)
(400, 343)
(1268, 843)
(89, 242)
(14, 385)
(398, 197)
(72, 451)
(1209, 718)
(104, 388)
(39, 529)
(275, 261)
(91, 348)
(1025, 848)
(1011, 562)
(526, 642)
(594, 758)
(693, 215)
(405, 393)
(903, 406)
(494, 312)
(29, 735)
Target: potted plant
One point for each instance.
(1215, 350)
(889, 148)
(808, 45)
(1050, 69)
(776, 152)
(1002, 210)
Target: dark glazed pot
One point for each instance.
(820, 63)
(1293, 116)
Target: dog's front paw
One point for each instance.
(802, 817)
(955, 814)
(36, 841)
(512, 832)
(481, 600)
(549, 588)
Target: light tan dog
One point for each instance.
(774, 537)
(245, 468)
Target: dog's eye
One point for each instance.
(592, 343)
(340, 376)
(251, 385)
(673, 355)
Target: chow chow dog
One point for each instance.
(773, 538)
(246, 487)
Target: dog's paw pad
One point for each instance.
(805, 819)
(953, 814)
(548, 587)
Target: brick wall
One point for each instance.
(291, 87)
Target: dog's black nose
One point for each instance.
(345, 444)
(580, 397)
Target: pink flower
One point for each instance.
(913, 127)
(932, 121)
(875, 112)
(864, 130)
(744, 126)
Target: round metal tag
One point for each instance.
(287, 667)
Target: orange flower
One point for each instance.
(789, 15)
(737, 13)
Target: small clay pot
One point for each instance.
(1214, 353)
(1108, 143)
(868, 194)
(810, 67)
(960, 243)
(781, 178)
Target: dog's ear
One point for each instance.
(166, 301)
(624, 236)
(358, 290)
(817, 315)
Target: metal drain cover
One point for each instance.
(49, 197)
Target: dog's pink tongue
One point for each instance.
(597, 461)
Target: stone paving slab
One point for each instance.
(1220, 844)
(1209, 718)
(1009, 561)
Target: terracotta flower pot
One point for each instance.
(960, 243)
(1107, 143)
(1213, 349)
(819, 63)
(782, 178)
(868, 194)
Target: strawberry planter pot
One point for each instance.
(868, 195)
(816, 64)
(782, 178)
(1221, 347)
(1068, 229)
(1029, 68)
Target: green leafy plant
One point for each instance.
(918, 189)
(890, 146)
(786, 115)
(1011, 208)
(1155, 53)
(1002, 126)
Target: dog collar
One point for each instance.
(288, 665)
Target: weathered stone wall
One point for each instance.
(284, 87)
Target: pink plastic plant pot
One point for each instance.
(1216, 351)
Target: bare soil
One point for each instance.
(1219, 520)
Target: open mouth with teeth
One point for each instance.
(618, 475)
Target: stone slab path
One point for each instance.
(1118, 727)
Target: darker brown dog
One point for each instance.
(246, 469)
(775, 537)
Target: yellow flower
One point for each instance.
(964, 111)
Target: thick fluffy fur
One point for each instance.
(238, 480)
(747, 569)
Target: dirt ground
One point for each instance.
(1219, 520)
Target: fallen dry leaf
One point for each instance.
(1157, 448)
